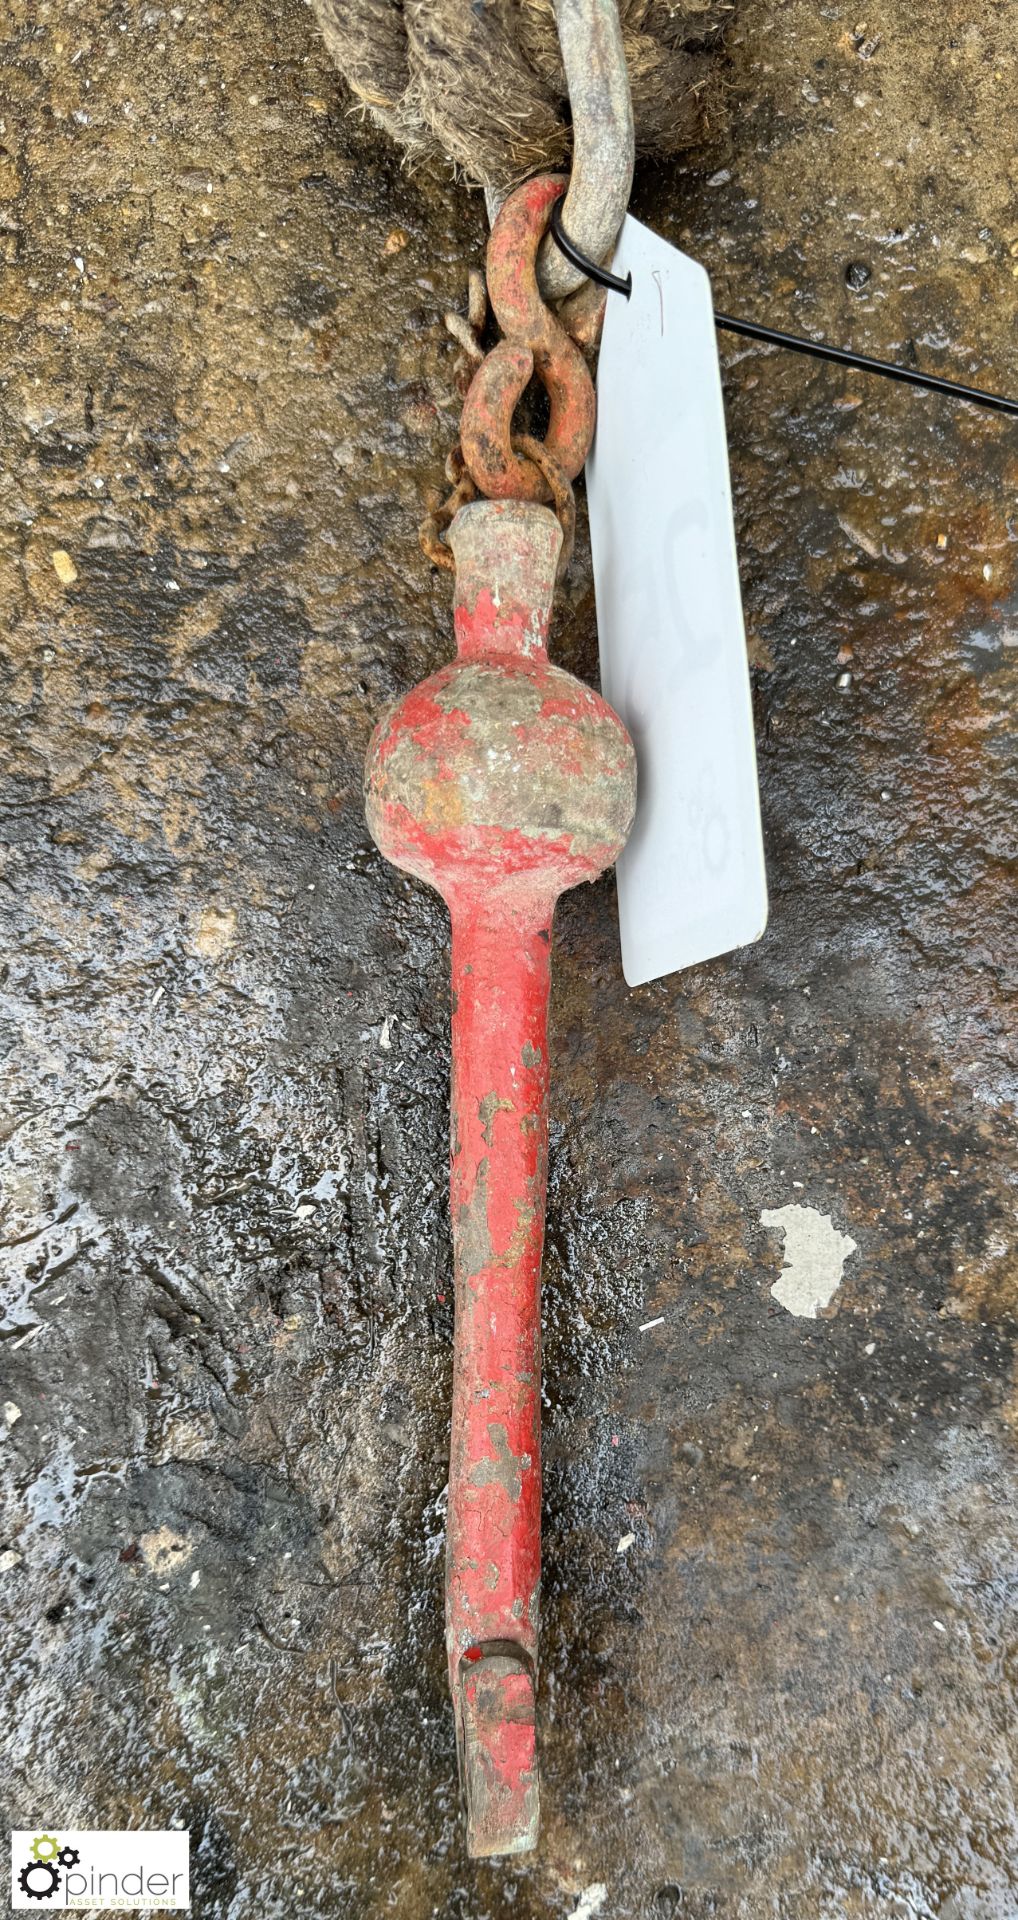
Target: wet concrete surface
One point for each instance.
(226, 1343)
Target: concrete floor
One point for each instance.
(224, 383)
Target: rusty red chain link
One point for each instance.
(535, 343)
(442, 513)
(490, 457)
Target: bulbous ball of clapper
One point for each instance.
(500, 770)
(486, 773)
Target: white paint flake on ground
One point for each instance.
(591, 1901)
(815, 1253)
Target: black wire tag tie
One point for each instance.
(792, 342)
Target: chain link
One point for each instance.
(490, 458)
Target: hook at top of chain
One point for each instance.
(603, 140)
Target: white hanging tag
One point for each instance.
(691, 881)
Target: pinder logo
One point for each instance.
(115, 1870)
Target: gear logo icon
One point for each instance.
(40, 1878)
(31, 1871)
